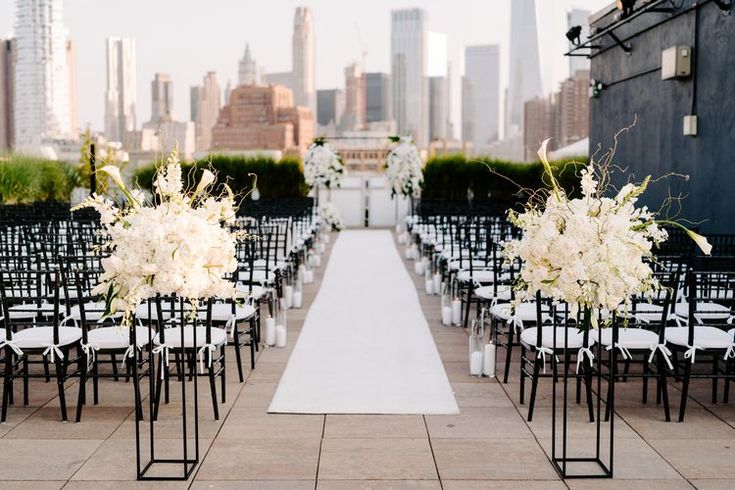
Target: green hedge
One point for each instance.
(276, 179)
(449, 177)
(26, 180)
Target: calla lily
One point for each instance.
(115, 175)
(547, 167)
(701, 242)
(207, 178)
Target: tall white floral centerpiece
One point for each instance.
(180, 244)
(404, 168)
(322, 166)
(593, 252)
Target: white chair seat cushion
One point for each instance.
(704, 311)
(262, 276)
(261, 263)
(222, 312)
(256, 292)
(477, 275)
(93, 311)
(41, 337)
(489, 292)
(141, 312)
(704, 337)
(173, 337)
(465, 264)
(117, 338)
(629, 338)
(525, 312)
(30, 311)
(575, 339)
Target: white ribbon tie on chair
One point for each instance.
(623, 350)
(52, 350)
(691, 352)
(517, 322)
(730, 352)
(129, 352)
(665, 352)
(162, 349)
(208, 350)
(584, 351)
(12, 345)
(231, 326)
(541, 353)
(90, 351)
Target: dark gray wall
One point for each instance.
(656, 145)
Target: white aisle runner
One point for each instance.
(365, 346)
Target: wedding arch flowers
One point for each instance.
(404, 169)
(180, 244)
(593, 252)
(322, 165)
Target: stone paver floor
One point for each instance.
(489, 445)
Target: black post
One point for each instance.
(93, 173)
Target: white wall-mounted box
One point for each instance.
(676, 62)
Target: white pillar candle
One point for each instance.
(476, 359)
(398, 228)
(437, 283)
(270, 331)
(414, 251)
(401, 238)
(418, 267)
(297, 299)
(288, 296)
(488, 365)
(317, 260)
(326, 238)
(429, 284)
(308, 276)
(407, 253)
(280, 336)
(446, 316)
(456, 311)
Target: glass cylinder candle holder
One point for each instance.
(446, 306)
(476, 348)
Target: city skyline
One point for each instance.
(342, 33)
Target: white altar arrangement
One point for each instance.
(330, 216)
(322, 165)
(594, 251)
(181, 243)
(404, 168)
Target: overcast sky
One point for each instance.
(187, 38)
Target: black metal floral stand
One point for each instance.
(583, 457)
(149, 465)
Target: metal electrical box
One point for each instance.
(676, 62)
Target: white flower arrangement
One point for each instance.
(592, 252)
(331, 216)
(322, 165)
(404, 169)
(182, 245)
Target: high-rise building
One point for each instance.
(354, 116)
(7, 68)
(228, 89)
(162, 98)
(377, 97)
(41, 86)
(209, 101)
(540, 122)
(121, 88)
(438, 108)
(194, 102)
(330, 107)
(574, 108)
(283, 78)
(71, 63)
(303, 71)
(524, 71)
(578, 17)
(408, 73)
(248, 69)
(481, 96)
(263, 118)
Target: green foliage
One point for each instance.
(26, 180)
(450, 177)
(276, 179)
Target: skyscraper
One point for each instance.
(377, 97)
(574, 108)
(162, 98)
(41, 86)
(438, 108)
(408, 73)
(330, 107)
(7, 68)
(303, 72)
(481, 95)
(578, 17)
(121, 88)
(524, 72)
(208, 105)
(248, 69)
(71, 63)
(354, 116)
